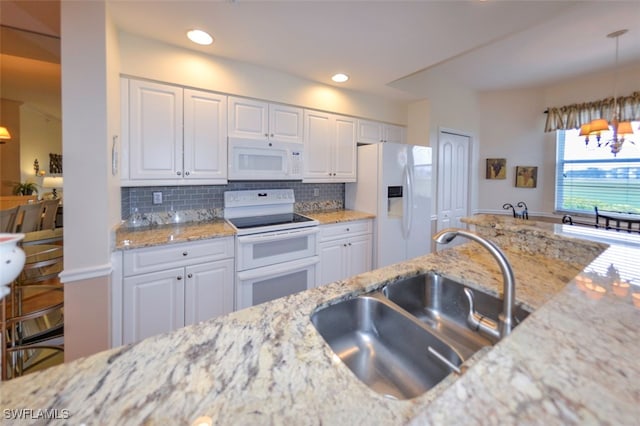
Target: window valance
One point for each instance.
(575, 115)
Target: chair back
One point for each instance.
(49, 216)
(8, 220)
(29, 217)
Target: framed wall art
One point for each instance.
(526, 176)
(496, 168)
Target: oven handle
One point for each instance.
(278, 269)
(269, 236)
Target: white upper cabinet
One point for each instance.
(252, 119)
(205, 135)
(330, 147)
(155, 126)
(375, 132)
(172, 136)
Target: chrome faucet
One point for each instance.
(476, 320)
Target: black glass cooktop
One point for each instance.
(268, 220)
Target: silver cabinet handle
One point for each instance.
(349, 243)
(271, 135)
(179, 173)
(179, 277)
(184, 253)
(187, 173)
(266, 135)
(190, 276)
(347, 229)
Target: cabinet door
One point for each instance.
(369, 132)
(394, 134)
(344, 159)
(318, 141)
(155, 131)
(152, 304)
(360, 255)
(205, 135)
(209, 291)
(248, 118)
(332, 262)
(285, 123)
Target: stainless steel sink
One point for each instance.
(405, 339)
(442, 304)
(385, 347)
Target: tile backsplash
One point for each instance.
(139, 200)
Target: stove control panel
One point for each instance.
(259, 197)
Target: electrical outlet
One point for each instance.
(316, 192)
(157, 198)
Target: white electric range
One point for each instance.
(276, 249)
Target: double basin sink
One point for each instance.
(404, 339)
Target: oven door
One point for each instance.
(257, 250)
(264, 160)
(271, 282)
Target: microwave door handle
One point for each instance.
(278, 236)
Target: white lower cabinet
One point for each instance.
(346, 249)
(198, 285)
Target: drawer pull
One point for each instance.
(179, 277)
(190, 276)
(184, 253)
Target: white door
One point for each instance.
(393, 134)
(248, 118)
(155, 126)
(359, 257)
(344, 157)
(369, 131)
(209, 291)
(453, 179)
(285, 123)
(317, 146)
(152, 304)
(332, 261)
(205, 135)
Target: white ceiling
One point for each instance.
(385, 46)
(484, 45)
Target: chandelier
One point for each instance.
(621, 129)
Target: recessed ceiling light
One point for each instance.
(200, 37)
(340, 78)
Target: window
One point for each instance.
(588, 176)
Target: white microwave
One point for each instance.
(264, 160)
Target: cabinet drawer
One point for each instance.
(173, 255)
(345, 229)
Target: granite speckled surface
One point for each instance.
(337, 216)
(573, 361)
(128, 237)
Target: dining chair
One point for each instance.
(49, 216)
(8, 219)
(33, 327)
(29, 217)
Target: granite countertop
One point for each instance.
(127, 237)
(573, 361)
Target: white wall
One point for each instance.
(512, 127)
(39, 136)
(154, 60)
(89, 98)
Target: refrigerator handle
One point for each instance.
(407, 202)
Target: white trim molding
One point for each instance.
(81, 274)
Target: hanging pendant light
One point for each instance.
(620, 129)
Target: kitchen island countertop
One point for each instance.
(573, 361)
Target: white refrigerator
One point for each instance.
(394, 184)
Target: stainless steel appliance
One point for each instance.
(276, 249)
(264, 160)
